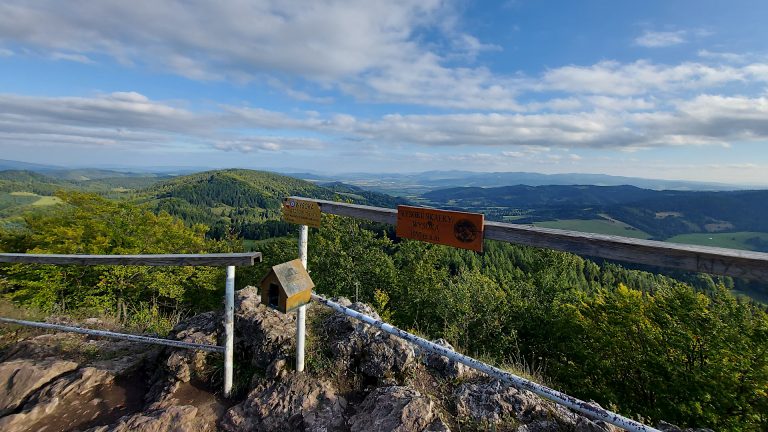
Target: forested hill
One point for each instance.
(662, 214)
(28, 181)
(244, 202)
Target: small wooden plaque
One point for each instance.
(450, 228)
(302, 212)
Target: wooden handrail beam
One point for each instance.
(219, 259)
(705, 259)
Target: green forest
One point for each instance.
(652, 347)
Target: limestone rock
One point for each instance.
(182, 418)
(443, 365)
(20, 378)
(396, 409)
(70, 402)
(377, 353)
(264, 332)
(493, 403)
(297, 403)
(201, 329)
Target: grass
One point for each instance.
(17, 202)
(597, 226)
(46, 201)
(733, 240)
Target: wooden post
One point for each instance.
(229, 330)
(301, 312)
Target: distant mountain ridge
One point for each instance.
(398, 184)
(662, 214)
(418, 183)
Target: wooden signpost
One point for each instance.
(301, 212)
(450, 228)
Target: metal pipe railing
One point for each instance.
(590, 410)
(228, 259)
(115, 335)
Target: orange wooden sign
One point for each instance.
(450, 228)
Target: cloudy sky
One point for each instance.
(665, 89)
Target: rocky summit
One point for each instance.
(357, 379)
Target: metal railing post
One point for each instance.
(301, 312)
(229, 330)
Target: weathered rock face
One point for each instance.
(172, 419)
(20, 378)
(299, 402)
(201, 329)
(493, 403)
(265, 333)
(71, 401)
(376, 353)
(443, 365)
(489, 403)
(396, 409)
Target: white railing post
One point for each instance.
(229, 330)
(301, 313)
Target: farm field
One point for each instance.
(597, 226)
(732, 240)
(11, 200)
(28, 198)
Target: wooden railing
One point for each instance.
(705, 259)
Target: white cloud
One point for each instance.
(611, 78)
(77, 58)
(728, 57)
(653, 39)
(250, 144)
(4, 52)
(370, 49)
(129, 119)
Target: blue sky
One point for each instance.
(665, 89)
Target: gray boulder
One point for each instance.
(204, 328)
(262, 331)
(355, 344)
(70, 402)
(497, 405)
(299, 402)
(443, 365)
(396, 409)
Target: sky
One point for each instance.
(656, 89)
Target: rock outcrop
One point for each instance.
(300, 402)
(397, 409)
(265, 334)
(358, 346)
(358, 378)
(443, 365)
(20, 378)
(72, 393)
